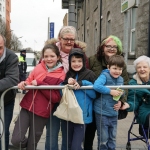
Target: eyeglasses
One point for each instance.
(67, 40)
(111, 47)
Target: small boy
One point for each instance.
(78, 76)
(106, 116)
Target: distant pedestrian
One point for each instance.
(38, 104)
(9, 77)
(22, 66)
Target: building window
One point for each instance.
(0, 16)
(132, 31)
(108, 25)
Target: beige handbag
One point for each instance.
(69, 108)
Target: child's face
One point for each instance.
(76, 63)
(115, 71)
(50, 58)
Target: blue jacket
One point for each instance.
(84, 77)
(105, 103)
(85, 100)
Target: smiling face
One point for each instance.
(76, 63)
(115, 71)
(50, 58)
(143, 71)
(67, 42)
(110, 49)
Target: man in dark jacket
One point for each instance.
(9, 77)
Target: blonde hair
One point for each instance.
(67, 29)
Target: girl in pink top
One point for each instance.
(38, 104)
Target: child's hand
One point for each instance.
(71, 81)
(115, 92)
(122, 92)
(22, 85)
(117, 106)
(76, 86)
(34, 82)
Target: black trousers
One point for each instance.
(90, 134)
(22, 77)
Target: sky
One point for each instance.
(29, 20)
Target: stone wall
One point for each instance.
(88, 26)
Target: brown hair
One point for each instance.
(116, 60)
(54, 48)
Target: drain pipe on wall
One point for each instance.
(72, 18)
(149, 32)
(100, 22)
(84, 20)
(76, 15)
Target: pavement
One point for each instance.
(122, 132)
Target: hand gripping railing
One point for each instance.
(54, 87)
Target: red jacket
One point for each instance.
(41, 102)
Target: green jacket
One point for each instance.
(97, 67)
(135, 100)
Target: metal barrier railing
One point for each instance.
(52, 87)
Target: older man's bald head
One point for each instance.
(2, 44)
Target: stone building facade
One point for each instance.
(97, 19)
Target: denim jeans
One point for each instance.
(52, 132)
(8, 114)
(106, 132)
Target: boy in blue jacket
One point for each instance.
(106, 116)
(78, 76)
